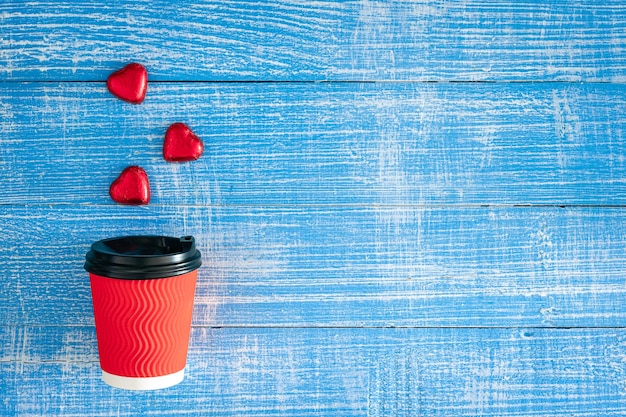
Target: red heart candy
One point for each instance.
(181, 144)
(130, 83)
(131, 187)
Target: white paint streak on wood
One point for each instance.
(379, 266)
(402, 372)
(369, 249)
(323, 144)
(364, 40)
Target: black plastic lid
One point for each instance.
(143, 257)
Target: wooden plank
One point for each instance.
(321, 144)
(385, 266)
(325, 40)
(53, 371)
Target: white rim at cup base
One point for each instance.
(143, 384)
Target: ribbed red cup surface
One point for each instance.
(143, 325)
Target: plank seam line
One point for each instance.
(400, 327)
(321, 206)
(337, 327)
(563, 82)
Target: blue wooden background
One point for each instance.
(405, 208)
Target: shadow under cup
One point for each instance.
(143, 290)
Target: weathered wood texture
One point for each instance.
(53, 371)
(322, 144)
(287, 40)
(387, 266)
(391, 248)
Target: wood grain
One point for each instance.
(321, 144)
(346, 267)
(339, 372)
(554, 40)
(407, 208)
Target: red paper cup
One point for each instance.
(143, 289)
